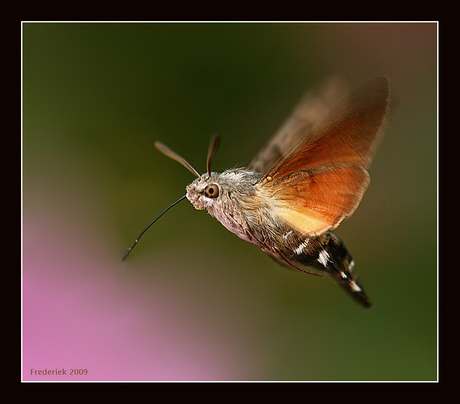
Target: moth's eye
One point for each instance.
(212, 191)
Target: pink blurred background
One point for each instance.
(85, 309)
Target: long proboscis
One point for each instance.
(143, 231)
(213, 146)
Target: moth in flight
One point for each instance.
(303, 183)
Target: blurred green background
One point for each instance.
(97, 96)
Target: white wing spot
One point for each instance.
(301, 247)
(323, 257)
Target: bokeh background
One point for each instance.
(194, 302)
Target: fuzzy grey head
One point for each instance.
(218, 191)
(226, 196)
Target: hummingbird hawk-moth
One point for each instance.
(303, 183)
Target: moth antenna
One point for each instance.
(143, 231)
(213, 146)
(173, 155)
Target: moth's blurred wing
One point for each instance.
(321, 180)
(318, 201)
(316, 104)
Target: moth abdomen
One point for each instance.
(327, 253)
